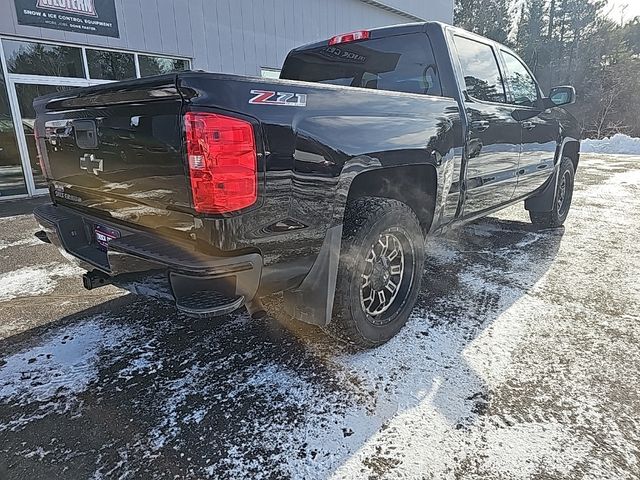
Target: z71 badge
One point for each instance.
(266, 97)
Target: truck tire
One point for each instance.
(380, 270)
(562, 200)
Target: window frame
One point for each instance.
(85, 65)
(462, 84)
(506, 51)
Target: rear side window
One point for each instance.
(403, 63)
(480, 69)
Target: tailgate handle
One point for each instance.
(86, 133)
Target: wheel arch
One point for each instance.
(415, 185)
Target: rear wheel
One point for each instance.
(562, 202)
(380, 271)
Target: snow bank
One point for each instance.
(618, 144)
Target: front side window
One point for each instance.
(402, 63)
(32, 58)
(480, 69)
(522, 85)
(160, 65)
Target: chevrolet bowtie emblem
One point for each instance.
(91, 164)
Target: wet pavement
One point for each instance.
(520, 361)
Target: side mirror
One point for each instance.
(560, 96)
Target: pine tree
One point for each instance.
(464, 13)
(530, 38)
(490, 18)
(497, 21)
(575, 21)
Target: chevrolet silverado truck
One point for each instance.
(215, 190)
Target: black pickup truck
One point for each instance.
(219, 189)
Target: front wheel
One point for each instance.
(380, 270)
(562, 200)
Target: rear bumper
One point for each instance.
(190, 275)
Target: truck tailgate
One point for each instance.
(117, 151)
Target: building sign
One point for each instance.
(95, 17)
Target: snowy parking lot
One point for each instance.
(520, 361)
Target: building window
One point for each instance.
(160, 65)
(32, 58)
(269, 72)
(11, 176)
(26, 94)
(106, 65)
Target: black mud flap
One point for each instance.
(312, 301)
(544, 201)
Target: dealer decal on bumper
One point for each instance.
(267, 97)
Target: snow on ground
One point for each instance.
(55, 370)
(23, 242)
(434, 395)
(32, 281)
(520, 361)
(619, 144)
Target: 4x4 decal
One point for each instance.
(267, 97)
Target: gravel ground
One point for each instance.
(520, 361)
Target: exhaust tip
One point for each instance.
(258, 315)
(256, 309)
(42, 236)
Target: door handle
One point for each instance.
(528, 125)
(480, 125)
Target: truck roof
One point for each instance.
(379, 32)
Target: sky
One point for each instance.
(615, 13)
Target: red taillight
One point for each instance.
(222, 162)
(349, 37)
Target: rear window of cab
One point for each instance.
(401, 63)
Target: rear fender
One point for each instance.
(312, 301)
